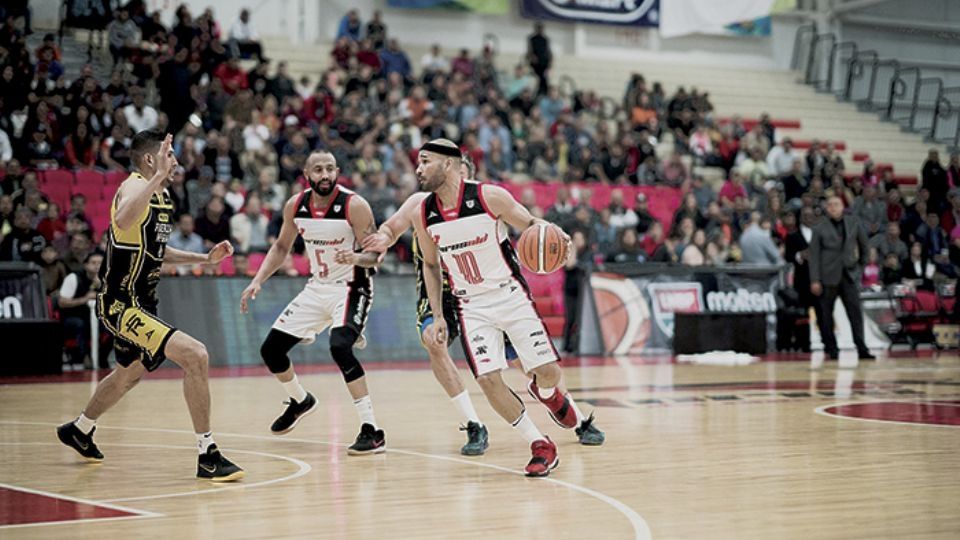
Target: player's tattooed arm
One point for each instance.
(361, 220)
(502, 205)
(134, 196)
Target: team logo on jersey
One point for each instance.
(116, 307)
(462, 245)
(470, 203)
(432, 214)
(336, 208)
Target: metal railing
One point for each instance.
(898, 93)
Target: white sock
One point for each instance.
(547, 393)
(465, 406)
(527, 428)
(84, 424)
(580, 416)
(294, 390)
(365, 410)
(204, 440)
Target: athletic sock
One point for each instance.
(463, 404)
(295, 390)
(365, 410)
(547, 393)
(84, 424)
(580, 416)
(204, 440)
(527, 428)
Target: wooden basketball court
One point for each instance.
(769, 450)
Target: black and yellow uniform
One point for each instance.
(127, 306)
(424, 313)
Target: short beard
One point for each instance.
(321, 192)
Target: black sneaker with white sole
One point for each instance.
(369, 441)
(216, 468)
(292, 415)
(70, 435)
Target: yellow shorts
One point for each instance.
(140, 334)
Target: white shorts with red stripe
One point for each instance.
(485, 318)
(320, 306)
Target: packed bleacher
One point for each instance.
(620, 178)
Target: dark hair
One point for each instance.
(94, 253)
(146, 142)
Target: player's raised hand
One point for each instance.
(377, 241)
(166, 161)
(345, 256)
(250, 293)
(220, 252)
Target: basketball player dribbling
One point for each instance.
(332, 221)
(462, 232)
(141, 220)
(442, 365)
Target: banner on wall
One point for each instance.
(633, 312)
(628, 13)
(22, 296)
(730, 17)
(489, 7)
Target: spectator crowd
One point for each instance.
(244, 127)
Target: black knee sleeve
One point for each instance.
(275, 348)
(341, 348)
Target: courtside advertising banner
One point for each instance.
(622, 12)
(633, 312)
(21, 293)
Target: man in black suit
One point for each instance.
(838, 252)
(796, 250)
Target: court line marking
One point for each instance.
(303, 469)
(640, 527)
(822, 410)
(140, 514)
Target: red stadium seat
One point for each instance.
(804, 144)
(57, 185)
(302, 264)
(255, 261)
(226, 267)
(90, 184)
(861, 156)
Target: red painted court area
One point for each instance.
(19, 507)
(944, 413)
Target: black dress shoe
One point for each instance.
(865, 355)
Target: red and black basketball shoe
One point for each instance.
(561, 410)
(544, 458)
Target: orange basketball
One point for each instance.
(542, 248)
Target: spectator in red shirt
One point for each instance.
(895, 209)
(367, 56)
(231, 76)
(463, 64)
(341, 53)
(52, 226)
(732, 189)
(80, 151)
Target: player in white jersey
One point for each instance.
(462, 233)
(332, 221)
(441, 364)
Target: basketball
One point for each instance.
(542, 248)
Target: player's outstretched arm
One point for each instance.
(394, 227)
(216, 254)
(502, 205)
(362, 222)
(432, 278)
(275, 257)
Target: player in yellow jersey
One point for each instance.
(141, 220)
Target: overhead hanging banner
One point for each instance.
(623, 12)
(490, 7)
(730, 17)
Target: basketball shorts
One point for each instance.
(488, 319)
(140, 334)
(321, 306)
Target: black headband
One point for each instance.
(441, 149)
